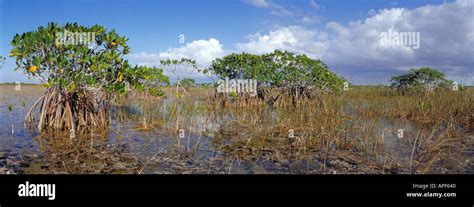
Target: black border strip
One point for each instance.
(148, 188)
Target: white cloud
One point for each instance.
(447, 41)
(258, 3)
(203, 51)
(310, 19)
(313, 4)
(275, 9)
(294, 38)
(280, 10)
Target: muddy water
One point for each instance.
(130, 147)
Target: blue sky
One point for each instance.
(214, 28)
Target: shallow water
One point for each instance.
(129, 148)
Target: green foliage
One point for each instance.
(462, 87)
(207, 85)
(280, 69)
(10, 107)
(426, 79)
(147, 79)
(176, 62)
(239, 66)
(233, 95)
(187, 82)
(53, 54)
(155, 91)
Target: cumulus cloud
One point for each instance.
(447, 39)
(294, 38)
(203, 51)
(355, 48)
(446, 32)
(275, 9)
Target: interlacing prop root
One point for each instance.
(60, 109)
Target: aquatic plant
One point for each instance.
(10, 109)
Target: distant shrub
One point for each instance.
(423, 79)
(280, 69)
(148, 80)
(187, 82)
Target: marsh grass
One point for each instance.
(352, 133)
(348, 128)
